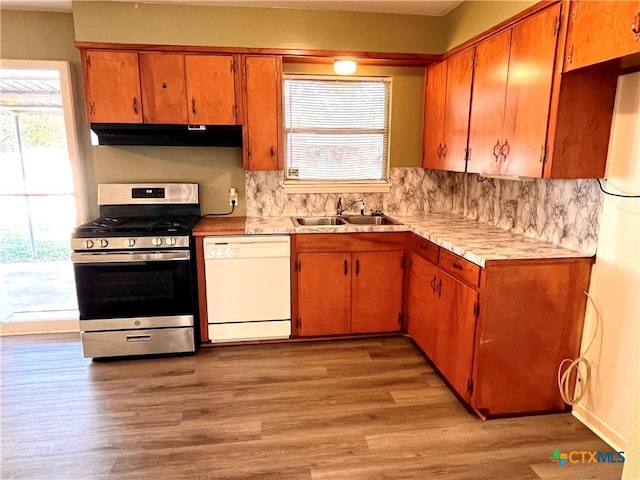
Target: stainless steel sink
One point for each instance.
(318, 221)
(370, 220)
(343, 220)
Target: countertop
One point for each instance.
(477, 242)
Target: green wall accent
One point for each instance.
(407, 92)
(473, 17)
(256, 27)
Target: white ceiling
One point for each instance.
(409, 7)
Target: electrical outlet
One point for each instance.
(233, 197)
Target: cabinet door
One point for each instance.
(164, 93)
(487, 104)
(600, 31)
(422, 304)
(455, 332)
(533, 47)
(324, 293)
(435, 96)
(456, 115)
(112, 84)
(263, 99)
(211, 94)
(376, 295)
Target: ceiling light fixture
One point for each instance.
(344, 67)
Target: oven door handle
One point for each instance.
(133, 257)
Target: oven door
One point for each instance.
(123, 285)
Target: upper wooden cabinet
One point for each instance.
(511, 97)
(161, 87)
(262, 88)
(110, 99)
(601, 31)
(211, 89)
(448, 96)
(164, 91)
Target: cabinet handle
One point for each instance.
(357, 266)
(439, 151)
(272, 151)
(439, 288)
(505, 145)
(496, 150)
(346, 268)
(135, 105)
(193, 106)
(457, 266)
(422, 246)
(433, 284)
(635, 26)
(444, 150)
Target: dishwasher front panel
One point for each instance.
(250, 283)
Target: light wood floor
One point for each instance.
(344, 410)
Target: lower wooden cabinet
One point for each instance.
(347, 283)
(498, 334)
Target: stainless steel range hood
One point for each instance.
(168, 135)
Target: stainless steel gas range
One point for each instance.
(135, 279)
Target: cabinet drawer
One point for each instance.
(459, 267)
(425, 248)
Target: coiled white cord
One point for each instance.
(568, 367)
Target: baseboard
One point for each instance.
(39, 327)
(600, 428)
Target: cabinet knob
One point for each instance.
(505, 149)
(496, 150)
(635, 26)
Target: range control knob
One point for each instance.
(171, 241)
(104, 243)
(156, 241)
(131, 242)
(88, 243)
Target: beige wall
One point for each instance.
(406, 108)
(214, 168)
(473, 17)
(611, 403)
(256, 27)
(50, 36)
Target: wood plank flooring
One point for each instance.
(338, 410)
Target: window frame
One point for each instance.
(291, 185)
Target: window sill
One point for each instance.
(293, 186)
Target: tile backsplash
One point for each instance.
(563, 212)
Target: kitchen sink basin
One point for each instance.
(318, 221)
(370, 220)
(343, 220)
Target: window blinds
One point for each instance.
(336, 129)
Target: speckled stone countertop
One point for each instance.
(477, 242)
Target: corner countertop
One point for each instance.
(477, 242)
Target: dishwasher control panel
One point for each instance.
(246, 247)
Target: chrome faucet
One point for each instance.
(340, 209)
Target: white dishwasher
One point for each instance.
(248, 287)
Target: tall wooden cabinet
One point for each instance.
(447, 104)
(107, 99)
(601, 31)
(511, 97)
(262, 86)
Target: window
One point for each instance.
(336, 131)
(40, 197)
